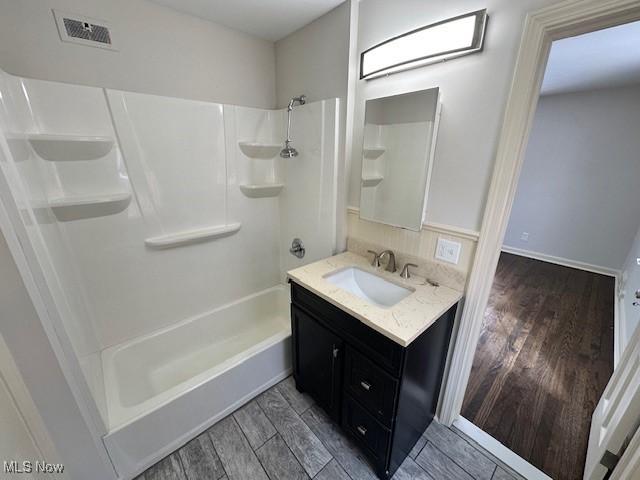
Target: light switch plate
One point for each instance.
(448, 251)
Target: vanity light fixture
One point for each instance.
(437, 42)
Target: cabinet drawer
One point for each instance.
(371, 386)
(366, 430)
(375, 345)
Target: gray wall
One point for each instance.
(161, 52)
(474, 92)
(578, 195)
(314, 60)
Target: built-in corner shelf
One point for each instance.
(260, 150)
(262, 190)
(70, 148)
(371, 153)
(371, 180)
(192, 236)
(80, 207)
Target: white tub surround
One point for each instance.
(165, 340)
(402, 322)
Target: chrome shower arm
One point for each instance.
(289, 151)
(288, 126)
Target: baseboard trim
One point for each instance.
(437, 227)
(565, 262)
(498, 450)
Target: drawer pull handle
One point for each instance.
(365, 385)
(361, 430)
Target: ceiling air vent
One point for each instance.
(83, 30)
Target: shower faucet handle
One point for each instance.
(297, 248)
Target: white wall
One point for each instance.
(630, 283)
(16, 442)
(315, 61)
(474, 92)
(578, 196)
(161, 51)
(21, 328)
(25, 436)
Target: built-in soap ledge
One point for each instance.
(260, 150)
(371, 153)
(371, 180)
(190, 237)
(262, 190)
(69, 148)
(70, 208)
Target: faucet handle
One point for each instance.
(405, 270)
(376, 259)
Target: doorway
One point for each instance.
(546, 350)
(529, 267)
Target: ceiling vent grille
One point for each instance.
(86, 30)
(83, 30)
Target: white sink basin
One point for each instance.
(372, 288)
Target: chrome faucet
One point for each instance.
(391, 263)
(405, 270)
(376, 259)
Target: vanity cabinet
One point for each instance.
(383, 394)
(318, 357)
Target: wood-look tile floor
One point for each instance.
(282, 435)
(544, 357)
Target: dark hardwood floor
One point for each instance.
(544, 357)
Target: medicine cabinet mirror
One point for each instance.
(397, 156)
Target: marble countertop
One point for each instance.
(402, 322)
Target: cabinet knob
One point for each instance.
(361, 430)
(365, 385)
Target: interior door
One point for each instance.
(615, 419)
(318, 361)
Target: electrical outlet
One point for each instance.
(448, 251)
(524, 236)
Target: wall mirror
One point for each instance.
(399, 143)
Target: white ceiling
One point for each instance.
(602, 59)
(268, 19)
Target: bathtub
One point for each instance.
(167, 387)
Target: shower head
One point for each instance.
(300, 100)
(288, 151)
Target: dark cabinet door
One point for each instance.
(318, 355)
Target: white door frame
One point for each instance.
(541, 28)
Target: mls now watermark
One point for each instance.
(28, 466)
